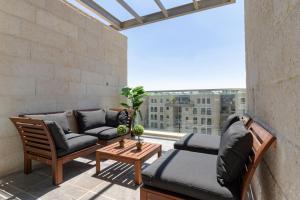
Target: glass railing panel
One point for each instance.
(191, 111)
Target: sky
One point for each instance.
(204, 50)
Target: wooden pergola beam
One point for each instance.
(101, 12)
(175, 12)
(131, 11)
(196, 6)
(162, 7)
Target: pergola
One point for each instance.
(163, 14)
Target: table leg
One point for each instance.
(138, 172)
(159, 152)
(98, 160)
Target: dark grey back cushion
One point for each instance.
(112, 118)
(235, 147)
(229, 121)
(58, 135)
(90, 119)
(59, 118)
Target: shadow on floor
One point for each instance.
(121, 174)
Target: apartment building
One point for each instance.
(197, 111)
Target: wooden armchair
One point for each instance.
(38, 145)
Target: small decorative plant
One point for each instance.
(135, 98)
(138, 130)
(122, 130)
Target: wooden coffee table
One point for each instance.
(129, 154)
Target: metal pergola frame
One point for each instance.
(163, 14)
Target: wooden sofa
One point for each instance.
(39, 145)
(262, 140)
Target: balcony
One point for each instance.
(63, 55)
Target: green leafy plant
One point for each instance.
(122, 129)
(138, 130)
(135, 98)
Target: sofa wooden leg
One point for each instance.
(27, 165)
(57, 171)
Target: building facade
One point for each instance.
(192, 111)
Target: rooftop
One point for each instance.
(115, 181)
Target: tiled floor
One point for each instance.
(115, 182)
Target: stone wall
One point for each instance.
(273, 83)
(52, 58)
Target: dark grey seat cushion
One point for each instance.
(235, 147)
(103, 133)
(57, 134)
(90, 119)
(190, 174)
(77, 142)
(199, 143)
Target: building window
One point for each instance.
(243, 100)
(161, 126)
(161, 117)
(208, 111)
(209, 131)
(161, 109)
(168, 100)
(202, 121)
(208, 100)
(152, 117)
(194, 111)
(151, 109)
(202, 111)
(208, 121)
(167, 116)
(195, 120)
(203, 130)
(167, 108)
(203, 100)
(155, 109)
(187, 118)
(155, 117)
(155, 125)
(195, 130)
(198, 101)
(161, 100)
(186, 109)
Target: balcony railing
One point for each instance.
(173, 114)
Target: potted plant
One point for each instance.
(135, 98)
(122, 130)
(138, 130)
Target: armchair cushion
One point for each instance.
(229, 121)
(112, 118)
(59, 118)
(198, 142)
(235, 147)
(57, 134)
(103, 133)
(77, 142)
(90, 119)
(190, 174)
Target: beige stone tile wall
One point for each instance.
(273, 82)
(52, 58)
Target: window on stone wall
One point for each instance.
(195, 130)
(202, 111)
(195, 120)
(208, 111)
(208, 121)
(195, 111)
